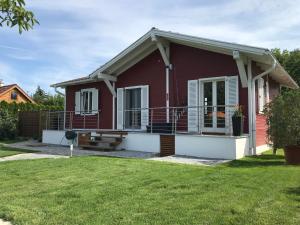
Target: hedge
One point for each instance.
(9, 116)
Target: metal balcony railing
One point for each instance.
(185, 119)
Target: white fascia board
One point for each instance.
(292, 83)
(122, 54)
(196, 41)
(72, 82)
(132, 62)
(210, 42)
(136, 53)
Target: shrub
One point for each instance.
(8, 124)
(9, 116)
(283, 117)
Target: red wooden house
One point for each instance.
(182, 85)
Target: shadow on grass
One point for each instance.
(294, 192)
(6, 148)
(12, 141)
(258, 161)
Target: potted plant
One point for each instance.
(237, 121)
(283, 118)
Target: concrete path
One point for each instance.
(2, 222)
(65, 150)
(59, 150)
(190, 160)
(24, 156)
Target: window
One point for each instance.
(86, 101)
(211, 103)
(14, 95)
(133, 107)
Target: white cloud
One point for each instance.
(75, 37)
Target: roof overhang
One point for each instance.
(146, 45)
(84, 80)
(280, 75)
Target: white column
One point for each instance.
(167, 93)
(253, 113)
(250, 121)
(113, 108)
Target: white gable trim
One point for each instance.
(188, 38)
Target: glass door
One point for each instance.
(214, 106)
(132, 108)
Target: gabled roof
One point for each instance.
(7, 88)
(145, 46)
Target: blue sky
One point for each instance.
(77, 36)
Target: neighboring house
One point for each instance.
(189, 86)
(13, 93)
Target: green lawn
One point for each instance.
(99, 190)
(7, 151)
(11, 141)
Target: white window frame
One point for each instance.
(128, 88)
(88, 90)
(201, 119)
(124, 102)
(228, 112)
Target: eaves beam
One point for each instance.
(241, 67)
(161, 49)
(107, 80)
(110, 87)
(107, 77)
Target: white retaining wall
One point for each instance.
(262, 148)
(222, 147)
(208, 146)
(55, 137)
(143, 142)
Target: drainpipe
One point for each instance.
(253, 133)
(58, 92)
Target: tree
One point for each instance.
(54, 100)
(40, 96)
(13, 12)
(290, 60)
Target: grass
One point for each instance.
(7, 151)
(11, 141)
(99, 190)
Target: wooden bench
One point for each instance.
(101, 140)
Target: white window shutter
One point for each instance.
(120, 108)
(232, 99)
(95, 100)
(77, 102)
(193, 117)
(261, 94)
(144, 107)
